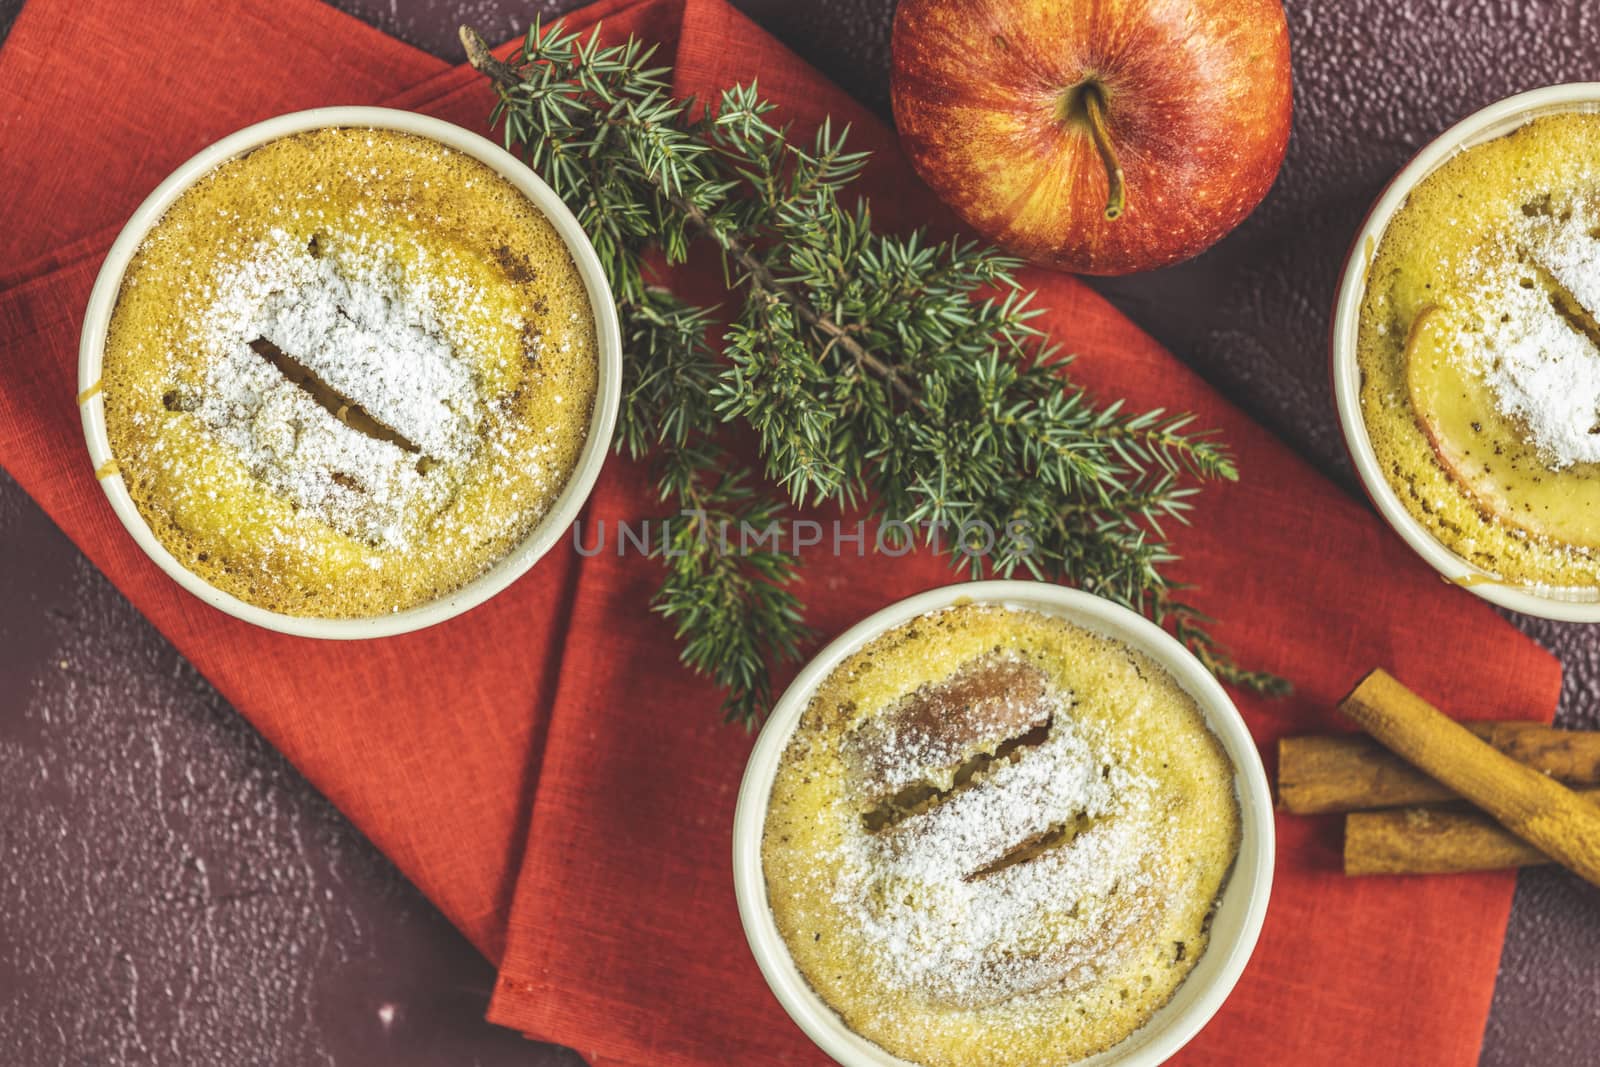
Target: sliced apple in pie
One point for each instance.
(1467, 398)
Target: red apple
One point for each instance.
(1099, 136)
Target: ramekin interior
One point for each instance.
(602, 421)
(1244, 900)
(1496, 120)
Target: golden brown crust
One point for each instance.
(1037, 912)
(525, 336)
(1426, 277)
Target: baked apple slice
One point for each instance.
(1488, 453)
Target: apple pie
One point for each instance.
(347, 372)
(998, 838)
(1479, 347)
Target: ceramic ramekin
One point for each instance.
(608, 392)
(1244, 900)
(1496, 120)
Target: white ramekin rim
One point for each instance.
(1239, 917)
(1496, 120)
(602, 421)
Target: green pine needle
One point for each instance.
(896, 375)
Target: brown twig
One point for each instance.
(483, 60)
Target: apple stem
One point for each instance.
(1094, 110)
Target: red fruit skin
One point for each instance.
(1198, 101)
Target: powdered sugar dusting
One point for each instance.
(373, 332)
(1535, 343)
(348, 371)
(942, 917)
(1037, 903)
(375, 337)
(360, 486)
(928, 735)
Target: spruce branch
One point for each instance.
(897, 375)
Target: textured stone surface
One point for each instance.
(170, 890)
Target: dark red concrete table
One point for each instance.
(172, 892)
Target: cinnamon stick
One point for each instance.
(1352, 772)
(1435, 841)
(1539, 810)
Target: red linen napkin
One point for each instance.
(541, 767)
